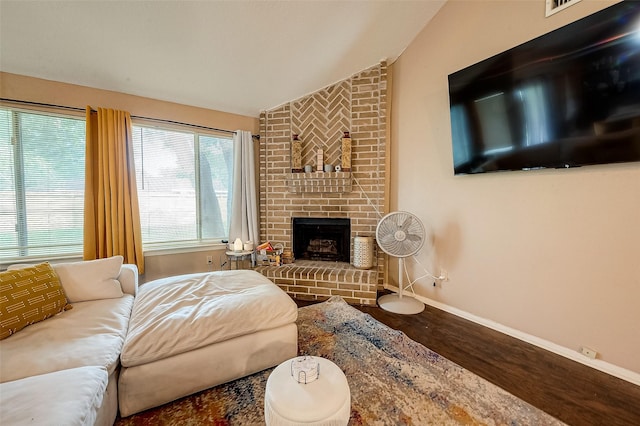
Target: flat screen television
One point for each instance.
(565, 99)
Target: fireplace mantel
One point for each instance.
(336, 182)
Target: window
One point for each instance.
(41, 184)
(183, 178)
(184, 182)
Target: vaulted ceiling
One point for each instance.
(234, 56)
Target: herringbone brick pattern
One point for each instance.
(320, 120)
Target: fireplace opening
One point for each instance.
(325, 239)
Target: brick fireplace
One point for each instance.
(357, 105)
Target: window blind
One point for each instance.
(41, 184)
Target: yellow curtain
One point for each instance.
(111, 212)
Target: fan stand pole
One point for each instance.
(397, 303)
(400, 277)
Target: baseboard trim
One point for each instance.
(598, 364)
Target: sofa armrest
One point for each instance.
(129, 278)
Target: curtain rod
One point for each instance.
(160, 120)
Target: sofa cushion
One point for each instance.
(92, 333)
(27, 296)
(90, 279)
(67, 397)
(177, 314)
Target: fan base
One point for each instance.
(400, 305)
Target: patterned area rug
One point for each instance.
(393, 381)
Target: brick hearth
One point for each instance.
(317, 280)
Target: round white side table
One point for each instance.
(323, 402)
(238, 256)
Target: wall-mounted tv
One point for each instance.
(565, 99)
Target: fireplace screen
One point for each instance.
(321, 239)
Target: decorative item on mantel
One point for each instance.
(296, 155)
(346, 152)
(320, 160)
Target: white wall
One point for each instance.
(551, 253)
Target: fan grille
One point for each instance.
(400, 234)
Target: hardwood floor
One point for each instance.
(574, 393)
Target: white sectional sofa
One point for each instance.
(177, 336)
(63, 370)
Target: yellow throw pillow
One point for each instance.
(29, 295)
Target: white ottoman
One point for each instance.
(325, 401)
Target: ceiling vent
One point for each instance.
(553, 6)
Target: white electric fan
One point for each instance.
(400, 234)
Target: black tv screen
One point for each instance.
(565, 99)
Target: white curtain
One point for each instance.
(244, 203)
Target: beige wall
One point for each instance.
(554, 254)
(24, 88)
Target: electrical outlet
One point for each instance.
(209, 260)
(444, 274)
(588, 352)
